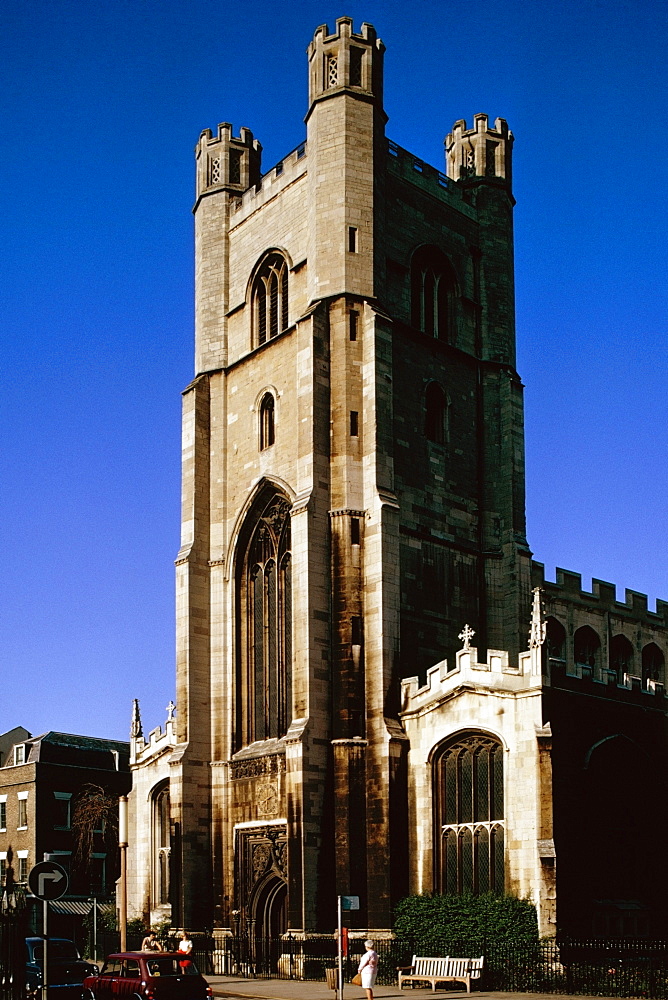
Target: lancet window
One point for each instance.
(587, 650)
(161, 845)
(469, 815)
(264, 608)
(621, 657)
(270, 299)
(433, 293)
(267, 430)
(653, 663)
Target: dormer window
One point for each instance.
(20, 753)
(270, 299)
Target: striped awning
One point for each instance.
(80, 907)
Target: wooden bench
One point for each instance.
(439, 970)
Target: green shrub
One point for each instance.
(438, 925)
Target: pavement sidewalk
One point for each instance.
(296, 989)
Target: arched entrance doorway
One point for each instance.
(269, 913)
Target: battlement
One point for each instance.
(603, 595)
(480, 151)
(159, 741)
(411, 168)
(497, 674)
(227, 162)
(282, 174)
(346, 61)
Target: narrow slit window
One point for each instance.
(267, 427)
(354, 531)
(354, 423)
(356, 630)
(352, 325)
(352, 239)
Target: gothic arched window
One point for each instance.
(468, 815)
(621, 657)
(264, 616)
(653, 662)
(586, 650)
(433, 293)
(270, 299)
(267, 432)
(556, 640)
(160, 823)
(436, 414)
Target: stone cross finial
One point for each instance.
(171, 708)
(135, 726)
(538, 628)
(466, 635)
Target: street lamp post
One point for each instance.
(123, 883)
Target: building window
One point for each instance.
(3, 813)
(354, 423)
(266, 421)
(556, 640)
(270, 299)
(3, 868)
(586, 650)
(161, 836)
(352, 324)
(352, 239)
(331, 71)
(652, 664)
(356, 56)
(621, 658)
(354, 531)
(23, 866)
(469, 815)
(264, 608)
(433, 293)
(20, 753)
(62, 810)
(436, 417)
(23, 811)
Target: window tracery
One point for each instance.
(161, 846)
(270, 299)
(469, 815)
(433, 293)
(264, 592)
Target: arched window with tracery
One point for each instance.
(586, 650)
(267, 432)
(436, 416)
(653, 664)
(264, 616)
(161, 846)
(433, 293)
(621, 657)
(469, 815)
(270, 299)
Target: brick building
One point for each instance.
(41, 780)
(353, 496)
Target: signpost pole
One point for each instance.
(45, 951)
(339, 945)
(123, 885)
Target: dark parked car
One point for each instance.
(67, 970)
(147, 975)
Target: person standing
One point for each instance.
(150, 942)
(368, 969)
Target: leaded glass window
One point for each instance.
(270, 299)
(264, 589)
(469, 815)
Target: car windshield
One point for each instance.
(57, 949)
(172, 966)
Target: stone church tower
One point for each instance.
(353, 491)
(352, 516)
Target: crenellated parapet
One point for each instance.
(346, 61)
(226, 162)
(603, 595)
(158, 742)
(481, 151)
(496, 674)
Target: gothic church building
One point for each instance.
(360, 706)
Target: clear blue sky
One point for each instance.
(102, 104)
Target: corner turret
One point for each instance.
(227, 163)
(479, 152)
(345, 61)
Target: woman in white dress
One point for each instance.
(368, 969)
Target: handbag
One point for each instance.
(357, 979)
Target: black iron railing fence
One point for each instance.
(13, 929)
(611, 968)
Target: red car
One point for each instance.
(147, 975)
